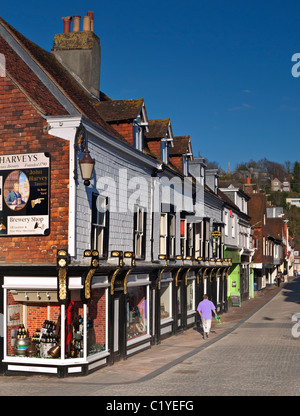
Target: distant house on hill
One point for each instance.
(277, 185)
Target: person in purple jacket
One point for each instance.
(205, 309)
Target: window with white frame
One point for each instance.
(185, 165)
(138, 140)
(165, 300)
(163, 238)
(207, 239)
(226, 223)
(183, 237)
(167, 235)
(190, 295)
(199, 239)
(172, 230)
(99, 234)
(190, 240)
(233, 226)
(164, 151)
(139, 232)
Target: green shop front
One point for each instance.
(239, 277)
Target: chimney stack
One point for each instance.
(80, 51)
(248, 186)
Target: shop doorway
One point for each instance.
(118, 325)
(179, 305)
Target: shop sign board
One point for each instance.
(24, 194)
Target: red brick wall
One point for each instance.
(97, 313)
(176, 161)
(21, 131)
(126, 129)
(154, 147)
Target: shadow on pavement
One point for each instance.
(291, 291)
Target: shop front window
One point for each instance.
(179, 300)
(33, 324)
(165, 301)
(96, 328)
(191, 295)
(137, 315)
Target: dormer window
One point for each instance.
(164, 151)
(185, 165)
(138, 134)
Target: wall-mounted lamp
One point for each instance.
(130, 255)
(86, 163)
(118, 254)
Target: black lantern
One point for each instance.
(86, 164)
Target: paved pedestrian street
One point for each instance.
(255, 355)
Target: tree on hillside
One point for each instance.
(295, 181)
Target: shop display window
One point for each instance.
(34, 325)
(179, 299)
(137, 314)
(165, 300)
(190, 292)
(96, 323)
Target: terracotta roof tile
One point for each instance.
(275, 228)
(119, 110)
(157, 129)
(181, 145)
(30, 84)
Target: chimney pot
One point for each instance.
(76, 23)
(91, 14)
(67, 23)
(86, 24)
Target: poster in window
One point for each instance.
(24, 194)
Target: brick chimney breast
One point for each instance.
(80, 52)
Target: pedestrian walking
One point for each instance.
(278, 279)
(205, 309)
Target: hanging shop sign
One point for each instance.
(24, 194)
(216, 234)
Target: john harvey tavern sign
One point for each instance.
(24, 194)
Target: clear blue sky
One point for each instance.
(221, 70)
